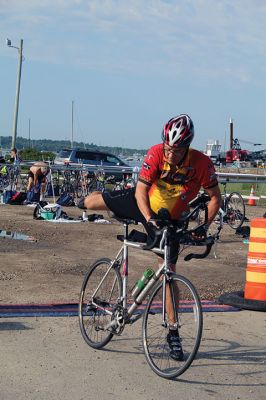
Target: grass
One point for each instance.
(245, 188)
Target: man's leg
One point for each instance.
(172, 304)
(169, 303)
(94, 202)
(42, 190)
(30, 183)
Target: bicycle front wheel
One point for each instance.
(235, 210)
(100, 291)
(155, 327)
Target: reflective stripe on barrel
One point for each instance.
(255, 287)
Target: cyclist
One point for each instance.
(170, 177)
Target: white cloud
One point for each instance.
(202, 37)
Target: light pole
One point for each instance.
(15, 121)
(72, 125)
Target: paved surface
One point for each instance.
(46, 358)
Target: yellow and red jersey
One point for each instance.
(174, 187)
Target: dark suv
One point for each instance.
(84, 156)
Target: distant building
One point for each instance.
(213, 149)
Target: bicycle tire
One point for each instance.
(91, 317)
(91, 185)
(129, 183)
(235, 210)
(214, 228)
(78, 189)
(154, 332)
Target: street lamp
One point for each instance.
(15, 121)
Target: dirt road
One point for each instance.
(51, 268)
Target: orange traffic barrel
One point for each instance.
(255, 287)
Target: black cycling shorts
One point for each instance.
(124, 205)
(40, 178)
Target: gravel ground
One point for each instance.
(50, 268)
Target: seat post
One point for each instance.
(125, 230)
(167, 251)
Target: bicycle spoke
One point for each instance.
(235, 210)
(188, 320)
(100, 292)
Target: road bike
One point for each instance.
(106, 307)
(231, 212)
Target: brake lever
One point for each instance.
(158, 233)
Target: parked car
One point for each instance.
(84, 156)
(96, 159)
(257, 158)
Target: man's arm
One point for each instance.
(214, 203)
(142, 198)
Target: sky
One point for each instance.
(128, 66)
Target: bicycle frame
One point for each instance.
(164, 270)
(121, 259)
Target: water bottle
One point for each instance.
(141, 283)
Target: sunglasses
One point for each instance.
(176, 152)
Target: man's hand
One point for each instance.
(153, 223)
(200, 233)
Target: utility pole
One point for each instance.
(29, 134)
(15, 121)
(72, 125)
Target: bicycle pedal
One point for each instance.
(99, 328)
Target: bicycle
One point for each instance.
(105, 309)
(9, 177)
(231, 212)
(71, 183)
(126, 183)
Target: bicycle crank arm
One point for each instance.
(135, 318)
(111, 326)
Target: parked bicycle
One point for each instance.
(126, 183)
(231, 212)
(9, 177)
(71, 183)
(105, 306)
(98, 181)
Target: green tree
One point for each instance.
(36, 155)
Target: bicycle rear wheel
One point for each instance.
(100, 291)
(235, 210)
(214, 228)
(154, 330)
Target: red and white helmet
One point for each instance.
(178, 131)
